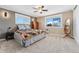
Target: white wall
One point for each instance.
(76, 24)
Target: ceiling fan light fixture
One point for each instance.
(40, 9)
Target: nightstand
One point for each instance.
(9, 35)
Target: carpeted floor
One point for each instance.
(51, 44)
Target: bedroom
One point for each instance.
(51, 21)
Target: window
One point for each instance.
(54, 21)
(21, 19)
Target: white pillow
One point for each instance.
(21, 27)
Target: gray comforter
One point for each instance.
(30, 41)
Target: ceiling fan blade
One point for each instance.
(44, 10)
(35, 11)
(40, 12)
(34, 8)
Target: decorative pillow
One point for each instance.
(28, 27)
(29, 37)
(21, 27)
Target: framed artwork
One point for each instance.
(54, 21)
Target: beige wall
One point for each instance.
(6, 22)
(65, 15)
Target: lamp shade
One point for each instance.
(68, 21)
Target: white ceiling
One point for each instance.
(28, 9)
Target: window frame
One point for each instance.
(54, 16)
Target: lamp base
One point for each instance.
(68, 35)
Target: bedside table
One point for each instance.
(9, 35)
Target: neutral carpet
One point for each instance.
(51, 44)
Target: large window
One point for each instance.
(21, 19)
(54, 21)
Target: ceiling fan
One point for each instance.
(40, 9)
